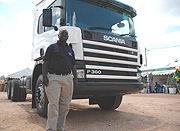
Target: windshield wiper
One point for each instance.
(101, 28)
(128, 35)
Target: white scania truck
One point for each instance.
(107, 54)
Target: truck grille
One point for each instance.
(109, 62)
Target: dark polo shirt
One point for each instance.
(60, 57)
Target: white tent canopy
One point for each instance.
(159, 71)
(165, 70)
(19, 74)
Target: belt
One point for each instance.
(62, 74)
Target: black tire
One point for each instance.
(22, 95)
(9, 90)
(41, 98)
(109, 102)
(15, 90)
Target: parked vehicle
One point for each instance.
(107, 54)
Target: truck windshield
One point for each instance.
(92, 17)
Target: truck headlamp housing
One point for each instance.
(80, 73)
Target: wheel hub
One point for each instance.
(40, 95)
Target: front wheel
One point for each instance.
(109, 102)
(41, 98)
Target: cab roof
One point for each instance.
(119, 4)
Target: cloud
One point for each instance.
(159, 58)
(17, 41)
(2, 19)
(153, 20)
(169, 7)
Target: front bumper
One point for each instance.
(107, 88)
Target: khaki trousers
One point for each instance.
(59, 92)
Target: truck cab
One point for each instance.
(107, 54)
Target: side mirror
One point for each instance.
(47, 17)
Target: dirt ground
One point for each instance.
(138, 112)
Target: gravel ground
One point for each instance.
(138, 112)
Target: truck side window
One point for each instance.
(40, 28)
(55, 15)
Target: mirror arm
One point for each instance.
(55, 28)
(61, 7)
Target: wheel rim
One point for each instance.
(40, 96)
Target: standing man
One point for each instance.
(59, 61)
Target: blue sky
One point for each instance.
(14, 6)
(9, 9)
(157, 26)
(172, 29)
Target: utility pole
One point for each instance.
(146, 56)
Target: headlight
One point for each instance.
(80, 73)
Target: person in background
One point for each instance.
(156, 87)
(165, 88)
(5, 87)
(159, 89)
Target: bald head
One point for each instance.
(63, 30)
(63, 35)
